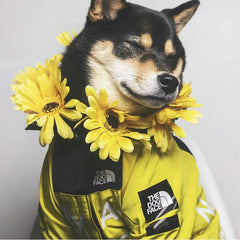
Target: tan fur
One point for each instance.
(179, 68)
(105, 8)
(143, 70)
(95, 14)
(108, 71)
(169, 48)
(100, 56)
(182, 19)
(99, 61)
(146, 40)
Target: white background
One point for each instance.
(27, 36)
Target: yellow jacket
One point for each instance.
(153, 196)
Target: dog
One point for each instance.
(136, 55)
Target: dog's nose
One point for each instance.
(168, 83)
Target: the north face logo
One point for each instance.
(157, 201)
(103, 177)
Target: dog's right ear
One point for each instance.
(182, 14)
(105, 9)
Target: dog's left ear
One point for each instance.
(182, 14)
(105, 9)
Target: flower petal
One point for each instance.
(134, 135)
(42, 120)
(32, 118)
(91, 92)
(91, 112)
(125, 144)
(184, 102)
(146, 137)
(93, 135)
(42, 137)
(64, 90)
(177, 130)
(132, 118)
(31, 91)
(190, 115)
(159, 136)
(151, 131)
(91, 124)
(186, 90)
(147, 144)
(103, 140)
(121, 116)
(165, 115)
(114, 150)
(94, 146)
(93, 103)
(103, 153)
(72, 103)
(64, 38)
(47, 133)
(72, 115)
(47, 89)
(63, 129)
(113, 104)
(103, 98)
(74, 33)
(81, 107)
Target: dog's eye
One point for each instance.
(133, 44)
(129, 49)
(171, 57)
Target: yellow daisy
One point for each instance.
(65, 38)
(107, 127)
(163, 121)
(41, 93)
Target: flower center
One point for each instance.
(112, 122)
(50, 107)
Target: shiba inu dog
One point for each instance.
(136, 55)
(131, 51)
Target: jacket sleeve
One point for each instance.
(207, 224)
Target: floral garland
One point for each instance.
(41, 94)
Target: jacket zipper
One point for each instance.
(95, 220)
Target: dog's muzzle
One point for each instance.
(168, 83)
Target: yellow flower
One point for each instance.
(107, 127)
(162, 135)
(33, 73)
(41, 93)
(65, 38)
(163, 121)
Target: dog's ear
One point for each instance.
(182, 14)
(105, 9)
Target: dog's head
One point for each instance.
(131, 51)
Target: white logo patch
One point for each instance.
(103, 177)
(158, 201)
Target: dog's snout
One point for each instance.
(168, 83)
